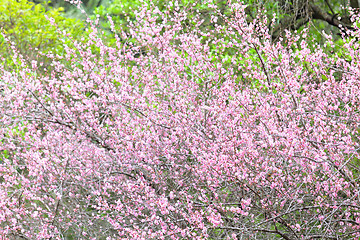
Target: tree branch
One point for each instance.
(299, 19)
(319, 14)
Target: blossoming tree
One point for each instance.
(182, 142)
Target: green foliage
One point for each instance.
(123, 12)
(27, 26)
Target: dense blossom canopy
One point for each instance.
(181, 142)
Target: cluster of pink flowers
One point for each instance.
(181, 142)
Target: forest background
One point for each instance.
(179, 120)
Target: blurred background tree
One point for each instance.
(27, 26)
(329, 15)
